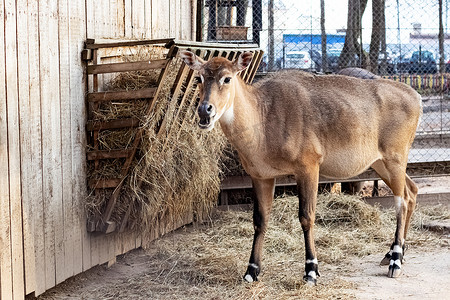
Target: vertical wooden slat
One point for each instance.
(138, 19)
(113, 32)
(90, 20)
(173, 26)
(148, 19)
(66, 143)
(6, 283)
(51, 140)
(186, 18)
(120, 30)
(161, 19)
(28, 166)
(77, 35)
(12, 104)
(128, 19)
(36, 189)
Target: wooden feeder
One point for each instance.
(184, 90)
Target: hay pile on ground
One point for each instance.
(212, 260)
(176, 170)
(208, 262)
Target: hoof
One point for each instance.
(310, 279)
(395, 263)
(311, 272)
(394, 273)
(252, 273)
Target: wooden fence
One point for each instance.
(43, 236)
(431, 83)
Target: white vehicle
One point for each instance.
(299, 60)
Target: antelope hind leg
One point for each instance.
(393, 173)
(307, 184)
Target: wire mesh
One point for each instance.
(402, 40)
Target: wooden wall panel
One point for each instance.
(6, 286)
(51, 140)
(66, 141)
(34, 188)
(15, 202)
(30, 168)
(77, 35)
(42, 132)
(160, 19)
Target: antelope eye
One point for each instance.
(227, 80)
(198, 79)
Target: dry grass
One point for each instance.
(207, 261)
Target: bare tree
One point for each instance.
(271, 54)
(378, 38)
(352, 47)
(324, 36)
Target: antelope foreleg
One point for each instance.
(307, 193)
(264, 190)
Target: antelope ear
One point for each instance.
(243, 61)
(193, 61)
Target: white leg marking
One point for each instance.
(248, 278)
(398, 203)
(312, 274)
(312, 261)
(397, 249)
(397, 262)
(255, 266)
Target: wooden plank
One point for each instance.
(36, 189)
(137, 11)
(114, 124)
(51, 139)
(104, 183)
(162, 41)
(121, 95)
(66, 264)
(28, 166)
(6, 285)
(77, 35)
(161, 19)
(173, 20)
(128, 19)
(127, 66)
(148, 19)
(120, 18)
(15, 200)
(257, 63)
(106, 154)
(114, 24)
(186, 18)
(90, 19)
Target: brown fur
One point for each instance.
(302, 124)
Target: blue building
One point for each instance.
(305, 42)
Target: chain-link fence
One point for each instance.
(398, 39)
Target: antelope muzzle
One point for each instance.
(206, 112)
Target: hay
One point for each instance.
(176, 169)
(209, 262)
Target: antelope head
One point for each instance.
(218, 80)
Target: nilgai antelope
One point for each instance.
(301, 124)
